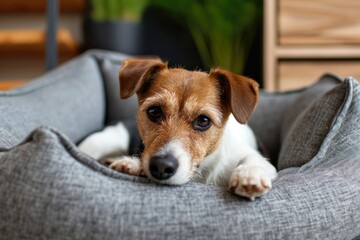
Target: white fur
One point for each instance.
(111, 140)
(174, 148)
(238, 147)
(130, 165)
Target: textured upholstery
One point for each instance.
(340, 106)
(50, 190)
(70, 98)
(276, 112)
(110, 70)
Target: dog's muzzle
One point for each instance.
(163, 167)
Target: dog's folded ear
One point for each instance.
(240, 92)
(136, 73)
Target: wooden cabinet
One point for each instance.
(303, 39)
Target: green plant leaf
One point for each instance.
(110, 10)
(222, 30)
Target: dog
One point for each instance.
(193, 128)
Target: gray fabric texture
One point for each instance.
(69, 98)
(7, 140)
(276, 112)
(307, 97)
(110, 69)
(50, 190)
(310, 128)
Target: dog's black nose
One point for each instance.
(163, 167)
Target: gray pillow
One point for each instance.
(310, 129)
(114, 105)
(307, 97)
(7, 140)
(276, 112)
(70, 98)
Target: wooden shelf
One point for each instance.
(22, 51)
(39, 6)
(305, 39)
(306, 72)
(318, 22)
(308, 52)
(32, 42)
(10, 84)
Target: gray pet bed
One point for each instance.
(50, 190)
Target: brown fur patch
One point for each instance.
(183, 96)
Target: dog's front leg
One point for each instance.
(127, 164)
(252, 177)
(113, 140)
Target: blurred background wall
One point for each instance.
(195, 34)
(283, 44)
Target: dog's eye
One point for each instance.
(202, 123)
(155, 113)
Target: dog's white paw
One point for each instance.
(250, 181)
(126, 164)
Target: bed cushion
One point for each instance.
(7, 139)
(70, 98)
(310, 128)
(276, 112)
(50, 190)
(115, 106)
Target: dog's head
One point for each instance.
(182, 114)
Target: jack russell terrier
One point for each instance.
(193, 127)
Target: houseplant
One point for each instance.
(223, 30)
(114, 25)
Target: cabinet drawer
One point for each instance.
(296, 74)
(315, 22)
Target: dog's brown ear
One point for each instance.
(137, 72)
(240, 92)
